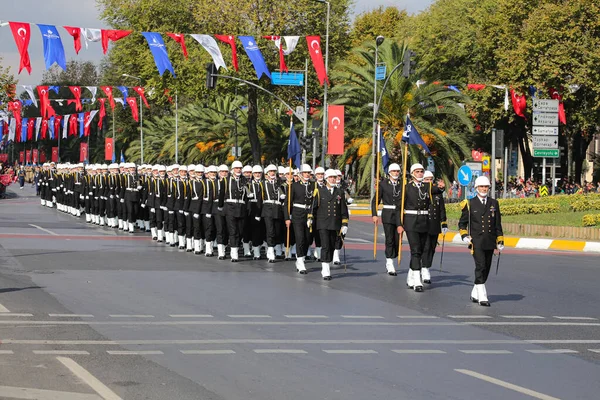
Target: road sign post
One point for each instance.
(545, 132)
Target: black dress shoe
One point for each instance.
(281, 257)
(428, 281)
(392, 273)
(209, 255)
(147, 230)
(272, 261)
(418, 289)
(303, 272)
(181, 248)
(484, 303)
(221, 257)
(256, 258)
(159, 241)
(188, 250)
(326, 278)
(336, 263)
(234, 260)
(474, 300)
(288, 259)
(197, 253)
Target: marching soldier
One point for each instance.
(161, 187)
(180, 203)
(121, 208)
(111, 202)
(330, 209)
(210, 204)
(301, 202)
(252, 201)
(255, 204)
(219, 215)
(437, 225)
(480, 227)
(151, 200)
(132, 196)
(195, 207)
(232, 200)
(272, 212)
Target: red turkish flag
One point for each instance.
(83, 152)
(108, 148)
(140, 90)
(335, 140)
(282, 66)
(230, 40)
(76, 33)
(44, 100)
(30, 126)
(76, 90)
(57, 120)
(111, 34)
(42, 156)
(15, 107)
(44, 128)
(108, 91)
(179, 38)
(476, 155)
(519, 103)
(21, 157)
(27, 156)
(562, 117)
(18, 130)
(102, 113)
(134, 108)
(22, 33)
(314, 48)
(73, 125)
(475, 86)
(54, 154)
(34, 156)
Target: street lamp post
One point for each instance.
(141, 120)
(325, 121)
(378, 42)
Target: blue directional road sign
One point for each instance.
(287, 78)
(465, 174)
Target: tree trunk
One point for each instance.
(570, 157)
(252, 125)
(523, 143)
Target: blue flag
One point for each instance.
(385, 158)
(114, 157)
(255, 56)
(55, 88)
(159, 51)
(80, 120)
(123, 90)
(51, 127)
(24, 125)
(122, 157)
(411, 135)
(54, 51)
(294, 149)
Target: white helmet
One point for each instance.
(175, 166)
(330, 172)
(246, 168)
(319, 170)
(223, 167)
(306, 168)
(416, 166)
(191, 167)
(237, 164)
(271, 167)
(338, 172)
(161, 168)
(295, 172)
(482, 181)
(169, 168)
(281, 170)
(200, 168)
(394, 167)
(183, 168)
(286, 170)
(211, 168)
(428, 174)
(257, 168)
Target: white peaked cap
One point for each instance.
(175, 166)
(223, 167)
(191, 168)
(161, 168)
(169, 168)
(281, 170)
(270, 167)
(183, 168)
(319, 170)
(428, 174)
(247, 168)
(199, 168)
(211, 168)
(338, 172)
(306, 168)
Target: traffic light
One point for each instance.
(211, 79)
(408, 64)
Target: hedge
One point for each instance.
(585, 205)
(516, 208)
(591, 220)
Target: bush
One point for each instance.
(591, 220)
(529, 209)
(585, 205)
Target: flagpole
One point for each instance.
(177, 128)
(59, 135)
(141, 129)
(289, 197)
(377, 190)
(405, 162)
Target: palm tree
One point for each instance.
(435, 110)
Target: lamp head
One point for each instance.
(379, 40)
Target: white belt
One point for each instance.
(389, 207)
(272, 202)
(303, 206)
(205, 198)
(417, 212)
(195, 198)
(253, 201)
(234, 201)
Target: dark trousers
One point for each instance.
(160, 217)
(197, 228)
(235, 226)
(221, 227)
(189, 225)
(111, 211)
(132, 210)
(209, 228)
(391, 240)
(257, 231)
(171, 221)
(180, 223)
(101, 207)
(248, 233)
(483, 264)
(328, 239)
(284, 230)
(152, 216)
(303, 238)
(416, 240)
(273, 231)
(121, 210)
(429, 252)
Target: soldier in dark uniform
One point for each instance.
(219, 214)
(437, 225)
(301, 202)
(210, 204)
(480, 227)
(255, 204)
(132, 196)
(150, 200)
(111, 201)
(271, 212)
(189, 228)
(390, 193)
(232, 200)
(144, 210)
(195, 207)
(121, 208)
(343, 185)
(89, 192)
(160, 201)
(288, 245)
(330, 210)
(180, 202)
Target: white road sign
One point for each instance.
(545, 105)
(545, 142)
(545, 119)
(545, 130)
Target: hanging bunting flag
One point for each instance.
(22, 33)
(44, 100)
(21, 157)
(51, 127)
(56, 125)
(134, 108)
(83, 152)
(140, 90)
(108, 91)
(113, 35)
(230, 40)
(93, 90)
(562, 117)
(87, 120)
(15, 108)
(27, 156)
(55, 154)
(108, 149)
(76, 33)
(91, 35)
(66, 122)
(29, 91)
(179, 38)
(54, 88)
(76, 90)
(30, 128)
(120, 101)
(102, 113)
(73, 125)
(24, 125)
(44, 128)
(255, 56)
(38, 124)
(290, 41)
(211, 46)
(54, 51)
(411, 135)
(81, 122)
(123, 90)
(34, 156)
(335, 130)
(475, 86)
(314, 48)
(159, 51)
(12, 129)
(519, 103)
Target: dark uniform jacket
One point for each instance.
(232, 197)
(437, 215)
(255, 203)
(482, 223)
(300, 203)
(210, 199)
(416, 206)
(391, 196)
(160, 192)
(132, 193)
(329, 209)
(271, 203)
(197, 188)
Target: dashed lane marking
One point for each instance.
(594, 350)
(426, 351)
(248, 316)
(93, 382)
(131, 316)
(134, 352)
(306, 316)
(4, 309)
(469, 316)
(350, 351)
(207, 352)
(71, 315)
(522, 316)
(62, 352)
(6, 352)
(576, 318)
(190, 316)
(279, 351)
(486, 351)
(363, 316)
(553, 351)
(506, 385)
(44, 230)
(417, 316)
(15, 315)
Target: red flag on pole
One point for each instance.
(27, 156)
(230, 40)
(83, 152)
(76, 33)
(42, 156)
(519, 103)
(134, 108)
(34, 156)
(44, 100)
(57, 120)
(140, 90)
(314, 48)
(21, 157)
(73, 125)
(30, 126)
(102, 113)
(15, 107)
(335, 140)
(108, 91)
(22, 33)
(562, 116)
(111, 34)
(179, 38)
(76, 90)
(86, 123)
(108, 148)
(55, 154)
(44, 128)
(277, 40)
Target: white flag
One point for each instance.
(120, 101)
(38, 124)
(66, 125)
(211, 46)
(29, 91)
(91, 35)
(93, 90)
(11, 129)
(290, 42)
(505, 99)
(92, 115)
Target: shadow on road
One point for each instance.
(8, 290)
(506, 297)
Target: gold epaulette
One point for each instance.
(464, 203)
(463, 232)
(316, 192)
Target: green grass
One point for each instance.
(556, 219)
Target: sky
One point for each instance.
(84, 13)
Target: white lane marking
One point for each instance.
(576, 318)
(358, 240)
(93, 382)
(134, 352)
(350, 351)
(572, 341)
(553, 351)
(594, 350)
(62, 352)
(363, 316)
(4, 352)
(72, 315)
(306, 316)
(207, 352)
(15, 315)
(4, 309)
(279, 351)
(44, 230)
(14, 392)
(522, 316)
(417, 316)
(262, 341)
(469, 316)
(533, 323)
(506, 385)
(413, 351)
(190, 316)
(486, 351)
(248, 316)
(131, 316)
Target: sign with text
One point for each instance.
(548, 153)
(545, 105)
(545, 142)
(545, 119)
(545, 130)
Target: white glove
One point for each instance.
(180, 211)
(153, 210)
(500, 248)
(208, 215)
(122, 200)
(282, 197)
(186, 213)
(250, 195)
(81, 197)
(196, 216)
(350, 200)
(344, 230)
(219, 208)
(309, 223)
(143, 205)
(139, 187)
(164, 208)
(444, 231)
(257, 218)
(112, 197)
(467, 240)
(171, 212)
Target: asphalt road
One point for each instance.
(90, 313)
